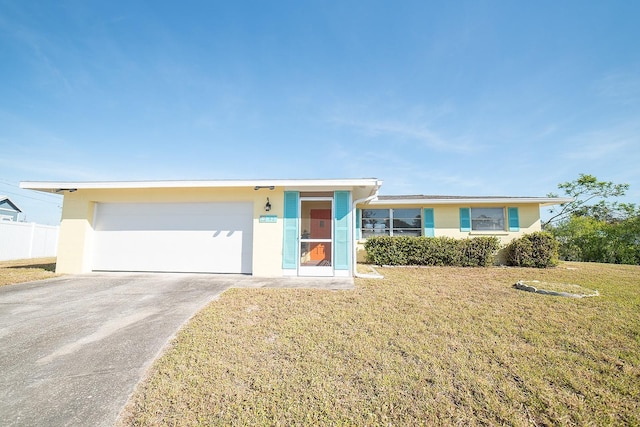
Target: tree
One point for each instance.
(624, 241)
(581, 238)
(589, 196)
(592, 228)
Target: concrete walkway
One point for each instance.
(72, 349)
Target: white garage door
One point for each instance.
(173, 237)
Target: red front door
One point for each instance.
(320, 229)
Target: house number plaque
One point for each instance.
(272, 219)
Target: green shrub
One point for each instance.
(384, 250)
(433, 251)
(441, 251)
(539, 249)
(479, 251)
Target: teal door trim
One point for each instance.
(342, 230)
(290, 232)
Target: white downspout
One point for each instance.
(354, 254)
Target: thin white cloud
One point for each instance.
(399, 131)
(618, 141)
(546, 131)
(40, 48)
(402, 175)
(29, 169)
(621, 87)
(432, 182)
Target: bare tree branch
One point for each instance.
(584, 190)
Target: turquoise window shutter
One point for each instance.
(342, 253)
(429, 222)
(514, 219)
(465, 219)
(358, 224)
(290, 234)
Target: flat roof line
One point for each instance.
(441, 200)
(60, 186)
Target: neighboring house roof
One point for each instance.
(434, 200)
(10, 203)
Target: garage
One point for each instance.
(173, 237)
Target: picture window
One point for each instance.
(487, 219)
(391, 222)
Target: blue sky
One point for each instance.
(457, 97)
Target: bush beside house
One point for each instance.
(539, 249)
(432, 251)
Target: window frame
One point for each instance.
(503, 220)
(389, 222)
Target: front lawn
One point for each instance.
(26, 270)
(424, 346)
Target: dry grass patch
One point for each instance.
(424, 346)
(26, 270)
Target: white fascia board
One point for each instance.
(59, 187)
(557, 201)
(369, 186)
(542, 201)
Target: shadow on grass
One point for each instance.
(48, 267)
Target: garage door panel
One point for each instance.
(187, 216)
(194, 237)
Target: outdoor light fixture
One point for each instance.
(270, 187)
(267, 207)
(70, 190)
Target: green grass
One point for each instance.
(424, 346)
(26, 270)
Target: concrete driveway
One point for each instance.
(72, 349)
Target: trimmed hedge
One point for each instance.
(539, 249)
(433, 251)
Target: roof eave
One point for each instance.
(542, 201)
(63, 186)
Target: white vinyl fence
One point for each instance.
(21, 240)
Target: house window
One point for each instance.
(487, 219)
(391, 222)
